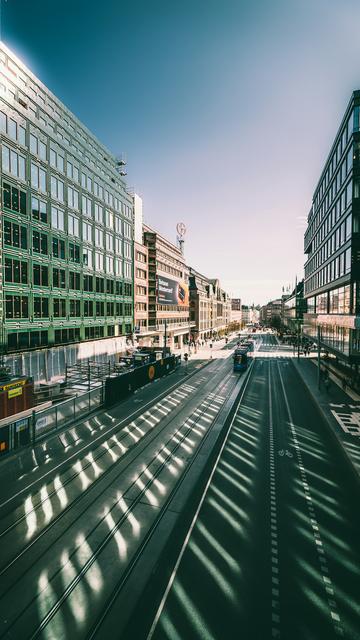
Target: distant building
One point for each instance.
(141, 278)
(236, 315)
(272, 312)
(245, 315)
(210, 306)
(294, 307)
(332, 245)
(168, 291)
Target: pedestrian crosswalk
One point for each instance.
(348, 421)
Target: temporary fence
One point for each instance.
(39, 423)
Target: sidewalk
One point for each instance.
(339, 408)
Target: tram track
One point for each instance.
(102, 452)
(109, 429)
(182, 433)
(92, 487)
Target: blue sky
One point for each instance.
(226, 112)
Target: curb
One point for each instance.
(336, 438)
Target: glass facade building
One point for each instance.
(332, 245)
(66, 245)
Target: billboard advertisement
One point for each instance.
(172, 292)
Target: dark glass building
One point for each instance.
(332, 245)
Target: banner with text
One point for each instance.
(172, 292)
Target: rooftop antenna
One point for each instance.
(181, 230)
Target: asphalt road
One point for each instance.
(75, 526)
(274, 551)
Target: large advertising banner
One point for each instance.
(172, 292)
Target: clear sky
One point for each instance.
(226, 112)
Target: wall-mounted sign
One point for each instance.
(172, 292)
(16, 391)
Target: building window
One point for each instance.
(12, 128)
(59, 278)
(39, 242)
(37, 147)
(88, 258)
(73, 198)
(87, 232)
(88, 308)
(88, 283)
(38, 210)
(40, 275)
(86, 206)
(109, 286)
(109, 238)
(127, 250)
(100, 309)
(16, 271)
(13, 163)
(110, 308)
(14, 199)
(109, 219)
(57, 189)
(38, 178)
(74, 280)
(127, 270)
(99, 213)
(57, 218)
(74, 306)
(57, 160)
(99, 261)
(15, 235)
(118, 267)
(59, 306)
(100, 286)
(16, 306)
(74, 253)
(58, 248)
(73, 225)
(99, 237)
(41, 307)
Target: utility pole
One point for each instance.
(165, 340)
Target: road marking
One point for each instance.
(275, 618)
(335, 617)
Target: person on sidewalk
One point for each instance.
(344, 384)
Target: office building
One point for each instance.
(271, 313)
(236, 313)
(332, 245)
(141, 280)
(210, 306)
(294, 307)
(168, 291)
(67, 230)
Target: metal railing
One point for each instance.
(66, 412)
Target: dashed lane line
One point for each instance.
(325, 573)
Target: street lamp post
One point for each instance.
(318, 354)
(165, 340)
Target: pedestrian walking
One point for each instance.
(344, 384)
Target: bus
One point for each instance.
(240, 359)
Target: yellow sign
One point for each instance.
(15, 392)
(151, 372)
(13, 385)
